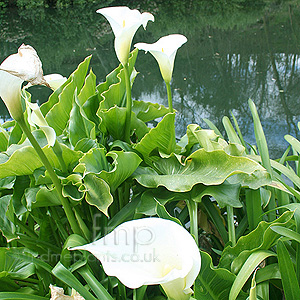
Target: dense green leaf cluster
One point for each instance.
(241, 207)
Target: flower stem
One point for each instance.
(169, 96)
(231, 228)
(193, 212)
(128, 105)
(64, 201)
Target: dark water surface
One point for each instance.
(233, 53)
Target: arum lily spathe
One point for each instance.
(124, 22)
(14, 70)
(150, 251)
(164, 51)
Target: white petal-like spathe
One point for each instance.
(10, 92)
(164, 51)
(124, 23)
(25, 64)
(150, 251)
(55, 80)
(14, 70)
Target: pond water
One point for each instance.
(233, 53)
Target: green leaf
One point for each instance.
(262, 238)
(162, 137)
(67, 277)
(289, 233)
(206, 167)
(80, 127)
(14, 267)
(213, 283)
(225, 194)
(59, 114)
(89, 88)
(260, 137)
(98, 193)
(25, 160)
(152, 203)
(112, 91)
(123, 165)
(148, 111)
(288, 276)
(248, 267)
(293, 141)
(233, 137)
(41, 197)
(7, 228)
(113, 122)
(20, 296)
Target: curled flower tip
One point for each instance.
(124, 23)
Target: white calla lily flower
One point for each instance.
(150, 251)
(14, 70)
(54, 81)
(124, 22)
(164, 51)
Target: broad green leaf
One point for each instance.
(213, 283)
(7, 182)
(122, 166)
(94, 161)
(41, 197)
(148, 111)
(152, 203)
(262, 238)
(113, 122)
(162, 137)
(80, 127)
(248, 267)
(89, 88)
(288, 276)
(84, 145)
(225, 194)
(98, 193)
(213, 127)
(25, 160)
(59, 114)
(14, 267)
(78, 76)
(204, 137)
(208, 168)
(112, 91)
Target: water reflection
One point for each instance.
(230, 56)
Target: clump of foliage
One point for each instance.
(234, 200)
